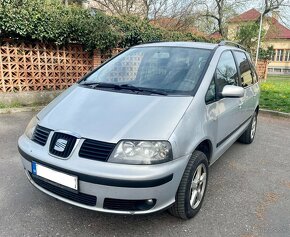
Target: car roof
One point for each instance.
(201, 45)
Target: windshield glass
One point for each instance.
(174, 70)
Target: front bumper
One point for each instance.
(109, 181)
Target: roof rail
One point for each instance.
(231, 43)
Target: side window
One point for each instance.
(211, 92)
(253, 70)
(245, 69)
(226, 71)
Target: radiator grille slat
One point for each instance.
(40, 135)
(96, 150)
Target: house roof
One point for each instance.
(276, 29)
(250, 15)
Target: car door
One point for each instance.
(225, 112)
(246, 80)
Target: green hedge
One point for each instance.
(51, 21)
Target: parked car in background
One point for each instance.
(138, 134)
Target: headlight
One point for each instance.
(31, 127)
(141, 152)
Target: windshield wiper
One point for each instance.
(124, 87)
(100, 84)
(142, 89)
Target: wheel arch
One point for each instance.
(206, 147)
(257, 109)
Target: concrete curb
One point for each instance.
(275, 113)
(21, 109)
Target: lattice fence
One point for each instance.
(37, 66)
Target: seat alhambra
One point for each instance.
(137, 134)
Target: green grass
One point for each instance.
(275, 93)
(13, 105)
(18, 105)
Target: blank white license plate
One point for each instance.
(66, 180)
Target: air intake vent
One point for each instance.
(40, 135)
(128, 205)
(96, 150)
(62, 144)
(82, 198)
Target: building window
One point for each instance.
(272, 57)
(287, 55)
(279, 55)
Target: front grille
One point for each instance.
(96, 150)
(40, 135)
(82, 198)
(127, 205)
(62, 144)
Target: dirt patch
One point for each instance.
(286, 183)
(248, 235)
(269, 199)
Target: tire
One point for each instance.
(182, 207)
(249, 134)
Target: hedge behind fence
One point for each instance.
(51, 21)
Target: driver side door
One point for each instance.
(226, 111)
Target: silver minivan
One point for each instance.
(138, 134)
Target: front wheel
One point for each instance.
(191, 191)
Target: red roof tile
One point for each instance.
(250, 15)
(277, 30)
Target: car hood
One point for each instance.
(111, 116)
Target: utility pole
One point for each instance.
(259, 36)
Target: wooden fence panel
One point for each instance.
(38, 66)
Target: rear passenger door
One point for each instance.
(247, 77)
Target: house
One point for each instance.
(276, 35)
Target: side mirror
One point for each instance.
(233, 91)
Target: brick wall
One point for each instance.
(262, 69)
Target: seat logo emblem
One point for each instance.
(60, 145)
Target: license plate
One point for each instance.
(57, 177)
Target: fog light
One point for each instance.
(149, 202)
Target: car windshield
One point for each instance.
(172, 70)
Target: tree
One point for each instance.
(266, 54)
(121, 7)
(247, 36)
(219, 11)
(155, 8)
(272, 5)
(279, 8)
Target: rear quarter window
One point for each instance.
(245, 69)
